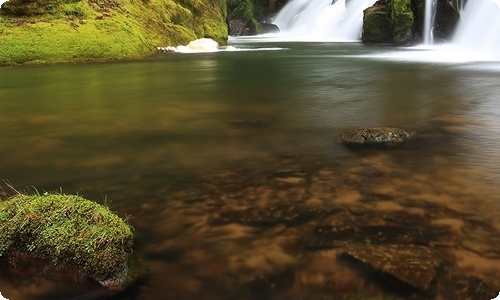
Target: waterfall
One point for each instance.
(320, 20)
(429, 16)
(479, 28)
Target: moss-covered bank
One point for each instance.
(52, 31)
(68, 232)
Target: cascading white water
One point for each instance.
(479, 28)
(320, 20)
(429, 16)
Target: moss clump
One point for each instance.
(68, 231)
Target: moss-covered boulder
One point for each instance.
(402, 22)
(52, 31)
(66, 232)
(389, 21)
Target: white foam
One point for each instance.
(206, 45)
(197, 46)
(446, 54)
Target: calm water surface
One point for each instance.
(176, 139)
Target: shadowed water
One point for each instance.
(184, 143)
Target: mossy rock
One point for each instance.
(403, 20)
(374, 136)
(69, 232)
(57, 31)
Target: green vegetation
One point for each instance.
(402, 21)
(248, 11)
(52, 31)
(67, 230)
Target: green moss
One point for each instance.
(402, 21)
(52, 31)
(67, 230)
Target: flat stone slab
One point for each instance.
(412, 264)
(374, 135)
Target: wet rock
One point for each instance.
(467, 287)
(324, 237)
(376, 23)
(413, 265)
(374, 135)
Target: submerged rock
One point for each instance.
(413, 265)
(374, 135)
(287, 214)
(467, 287)
(324, 237)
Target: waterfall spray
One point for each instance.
(479, 28)
(320, 20)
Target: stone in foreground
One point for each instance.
(374, 135)
(413, 265)
(54, 234)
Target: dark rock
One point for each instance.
(376, 23)
(467, 287)
(323, 237)
(446, 20)
(374, 135)
(269, 28)
(411, 264)
(236, 26)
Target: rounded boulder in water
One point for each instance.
(374, 136)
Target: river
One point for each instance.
(184, 142)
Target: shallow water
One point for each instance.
(184, 143)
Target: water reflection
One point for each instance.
(228, 162)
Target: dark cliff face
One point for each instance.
(447, 17)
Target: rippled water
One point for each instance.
(178, 140)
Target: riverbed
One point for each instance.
(228, 163)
